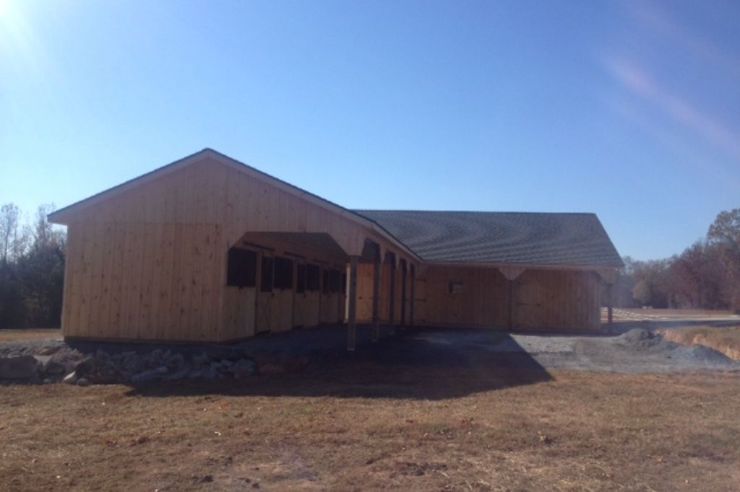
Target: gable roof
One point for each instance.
(62, 215)
(520, 238)
(500, 238)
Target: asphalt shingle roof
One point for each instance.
(524, 238)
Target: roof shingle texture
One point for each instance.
(544, 239)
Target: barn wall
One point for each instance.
(481, 303)
(365, 273)
(543, 299)
(281, 309)
(149, 263)
(143, 281)
(557, 299)
(239, 309)
(331, 308)
(211, 192)
(365, 277)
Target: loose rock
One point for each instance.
(22, 368)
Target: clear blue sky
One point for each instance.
(627, 109)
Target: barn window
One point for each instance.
(267, 274)
(241, 268)
(283, 273)
(335, 281)
(344, 283)
(313, 277)
(301, 278)
(456, 287)
(325, 282)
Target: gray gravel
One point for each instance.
(636, 351)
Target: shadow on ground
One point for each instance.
(423, 364)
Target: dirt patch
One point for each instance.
(30, 334)
(428, 410)
(725, 340)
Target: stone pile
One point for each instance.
(74, 367)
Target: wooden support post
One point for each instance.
(352, 308)
(392, 292)
(404, 273)
(377, 274)
(609, 277)
(413, 295)
(510, 303)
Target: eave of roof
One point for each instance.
(572, 240)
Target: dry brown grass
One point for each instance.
(30, 334)
(576, 431)
(722, 339)
(639, 314)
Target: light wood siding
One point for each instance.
(332, 308)
(543, 299)
(239, 313)
(365, 274)
(143, 281)
(149, 263)
(480, 304)
(557, 299)
(306, 309)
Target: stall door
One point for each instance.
(264, 295)
(306, 299)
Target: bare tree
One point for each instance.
(44, 234)
(8, 229)
(724, 233)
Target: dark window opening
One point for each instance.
(241, 268)
(325, 282)
(335, 281)
(313, 277)
(267, 274)
(456, 287)
(301, 278)
(283, 273)
(344, 283)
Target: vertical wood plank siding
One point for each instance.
(149, 263)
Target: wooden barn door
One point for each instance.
(420, 301)
(306, 299)
(283, 293)
(299, 300)
(264, 294)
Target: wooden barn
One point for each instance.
(210, 249)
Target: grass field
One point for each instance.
(574, 431)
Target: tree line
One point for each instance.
(705, 275)
(31, 269)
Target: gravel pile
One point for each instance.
(67, 364)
